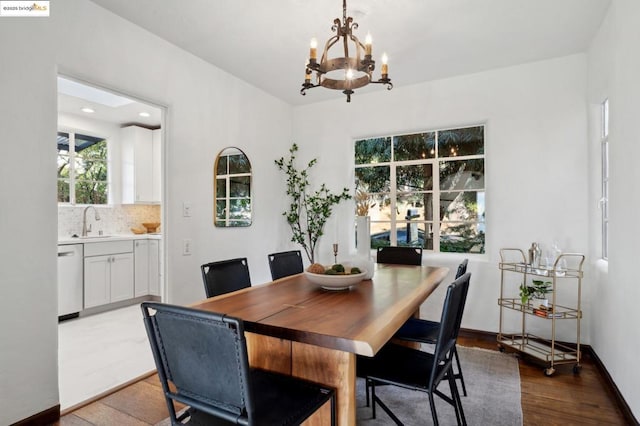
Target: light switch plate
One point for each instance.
(186, 247)
(186, 209)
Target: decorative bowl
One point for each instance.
(151, 226)
(335, 282)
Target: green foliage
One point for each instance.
(309, 210)
(90, 174)
(537, 290)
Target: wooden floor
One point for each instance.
(564, 399)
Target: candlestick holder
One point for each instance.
(335, 253)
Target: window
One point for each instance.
(82, 169)
(604, 201)
(424, 189)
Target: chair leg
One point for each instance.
(375, 399)
(459, 374)
(457, 401)
(333, 410)
(367, 384)
(432, 404)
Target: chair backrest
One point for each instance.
(449, 327)
(285, 263)
(225, 276)
(400, 255)
(201, 359)
(462, 268)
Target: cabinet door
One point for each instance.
(137, 160)
(141, 276)
(156, 166)
(121, 276)
(96, 281)
(154, 267)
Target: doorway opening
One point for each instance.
(110, 236)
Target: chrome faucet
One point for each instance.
(84, 220)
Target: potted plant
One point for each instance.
(309, 210)
(538, 290)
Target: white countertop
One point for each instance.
(110, 237)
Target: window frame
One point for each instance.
(71, 134)
(435, 223)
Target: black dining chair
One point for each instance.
(400, 255)
(414, 369)
(285, 263)
(225, 276)
(425, 331)
(202, 362)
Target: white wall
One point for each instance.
(614, 70)
(208, 110)
(536, 159)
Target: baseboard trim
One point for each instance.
(46, 417)
(586, 350)
(613, 388)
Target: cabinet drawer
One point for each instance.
(107, 247)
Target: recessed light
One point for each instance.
(144, 114)
(88, 110)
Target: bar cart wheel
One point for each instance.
(501, 348)
(577, 368)
(549, 371)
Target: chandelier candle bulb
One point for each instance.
(313, 52)
(385, 67)
(367, 44)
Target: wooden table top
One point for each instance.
(360, 320)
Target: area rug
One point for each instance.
(493, 386)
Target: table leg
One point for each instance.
(333, 368)
(317, 364)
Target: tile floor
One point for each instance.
(99, 352)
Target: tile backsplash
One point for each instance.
(114, 219)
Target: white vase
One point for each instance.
(363, 236)
(363, 246)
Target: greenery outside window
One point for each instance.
(424, 189)
(82, 169)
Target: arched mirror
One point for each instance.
(232, 189)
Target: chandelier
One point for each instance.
(347, 72)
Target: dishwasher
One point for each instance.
(70, 280)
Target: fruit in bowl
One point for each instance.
(337, 269)
(334, 277)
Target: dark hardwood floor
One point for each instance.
(563, 399)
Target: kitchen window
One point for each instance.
(424, 189)
(82, 169)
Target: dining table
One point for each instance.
(296, 327)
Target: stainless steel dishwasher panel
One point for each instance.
(70, 280)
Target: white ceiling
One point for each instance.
(266, 42)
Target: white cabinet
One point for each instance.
(156, 166)
(154, 267)
(108, 272)
(141, 165)
(141, 282)
(147, 268)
